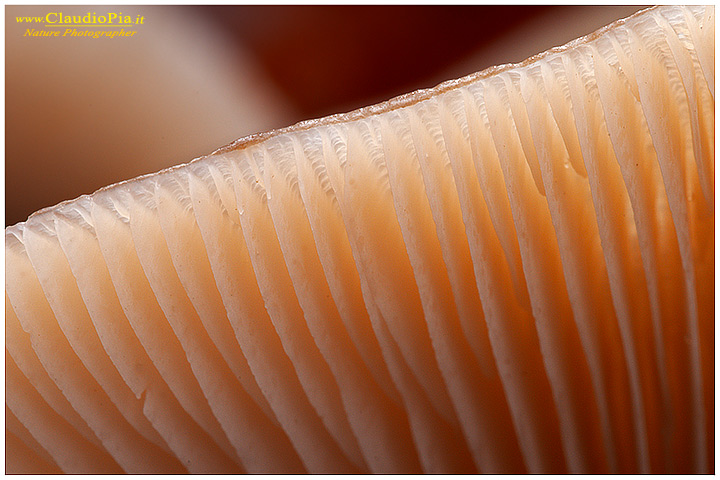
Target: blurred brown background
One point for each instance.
(82, 113)
(336, 58)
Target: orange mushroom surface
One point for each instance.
(510, 272)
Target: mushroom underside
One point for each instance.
(512, 272)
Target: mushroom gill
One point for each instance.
(511, 272)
